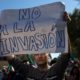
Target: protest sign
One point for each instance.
(33, 30)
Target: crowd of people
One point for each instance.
(63, 68)
(73, 70)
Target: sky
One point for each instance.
(70, 5)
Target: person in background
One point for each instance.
(1, 74)
(43, 71)
(5, 73)
(53, 61)
(74, 74)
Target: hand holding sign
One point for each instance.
(66, 17)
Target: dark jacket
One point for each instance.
(56, 72)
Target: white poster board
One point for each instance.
(33, 30)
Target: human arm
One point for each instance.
(59, 67)
(19, 67)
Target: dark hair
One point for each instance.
(53, 61)
(75, 73)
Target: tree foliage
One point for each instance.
(74, 29)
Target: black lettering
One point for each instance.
(4, 47)
(36, 13)
(60, 39)
(4, 30)
(24, 42)
(24, 14)
(29, 26)
(32, 44)
(45, 40)
(14, 44)
(39, 40)
(17, 28)
(51, 40)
